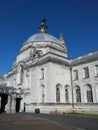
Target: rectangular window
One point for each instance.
(86, 72)
(42, 73)
(96, 70)
(75, 74)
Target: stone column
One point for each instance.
(13, 104)
(8, 105)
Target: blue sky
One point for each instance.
(19, 19)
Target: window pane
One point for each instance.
(78, 95)
(66, 95)
(75, 74)
(86, 72)
(89, 96)
(96, 70)
(57, 94)
(43, 94)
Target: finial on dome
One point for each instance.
(61, 38)
(43, 27)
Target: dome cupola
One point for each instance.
(43, 36)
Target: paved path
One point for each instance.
(27, 122)
(75, 123)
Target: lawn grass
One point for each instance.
(82, 115)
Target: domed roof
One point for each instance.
(43, 37)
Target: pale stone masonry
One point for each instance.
(43, 79)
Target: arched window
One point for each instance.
(58, 93)
(43, 93)
(78, 94)
(66, 94)
(89, 94)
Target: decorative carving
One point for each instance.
(36, 53)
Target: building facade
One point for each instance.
(43, 79)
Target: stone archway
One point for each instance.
(7, 96)
(4, 100)
(18, 100)
(17, 108)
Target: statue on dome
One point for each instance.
(43, 22)
(43, 27)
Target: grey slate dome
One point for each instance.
(43, 36)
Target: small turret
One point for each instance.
(61, 38)
(63, 43)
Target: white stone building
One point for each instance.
(43, 79)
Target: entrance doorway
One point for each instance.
(18, 100)
(4, 100)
